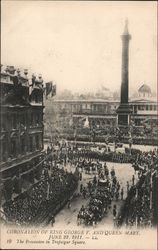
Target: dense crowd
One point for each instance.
(103, 153)
(56, 186)
(46, 195)
(139, 207)
(141, 134)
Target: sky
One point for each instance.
(78, 44)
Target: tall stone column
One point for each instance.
(125, 55)
(123, 110)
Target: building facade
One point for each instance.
(65, 116)
(22, 129)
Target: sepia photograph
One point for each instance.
(78, 125)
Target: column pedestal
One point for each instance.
(123, 115)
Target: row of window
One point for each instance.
(96, 107)
(101, 107)
(146, 107)
(34, 143)
(34, 119)
(81, 106)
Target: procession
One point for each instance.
(102, 190)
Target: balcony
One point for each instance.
(12, 162)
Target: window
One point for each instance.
(95, 108)
(40, 141)
(37, 118)
(31, 120)
(22, 145)
(22, 119)
(3, 126)
(37, 141)
(150, 107)
(4, 150)
(31, 144)
(146, 107)
(135, 109)
(141, 107)
(13, 147)
(3, 147)
(36, 98)
(14, 121)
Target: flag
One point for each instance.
(53, 90)
(48, 88)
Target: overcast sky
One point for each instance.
(78, 44)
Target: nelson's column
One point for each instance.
(123, 111)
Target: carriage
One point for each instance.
(97, 206)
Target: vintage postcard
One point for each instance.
(79, 125)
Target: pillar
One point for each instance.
(124, 110)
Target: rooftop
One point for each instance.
(144, 88)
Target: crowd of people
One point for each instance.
(43, 199)
(139, 208)
(103, 154)
(142, 134)
(56, 186)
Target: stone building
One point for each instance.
(63, 117)
(21, 128)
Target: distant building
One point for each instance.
(64, 116)
(21, 128)
(103, 111)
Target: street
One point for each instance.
(68, 216)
